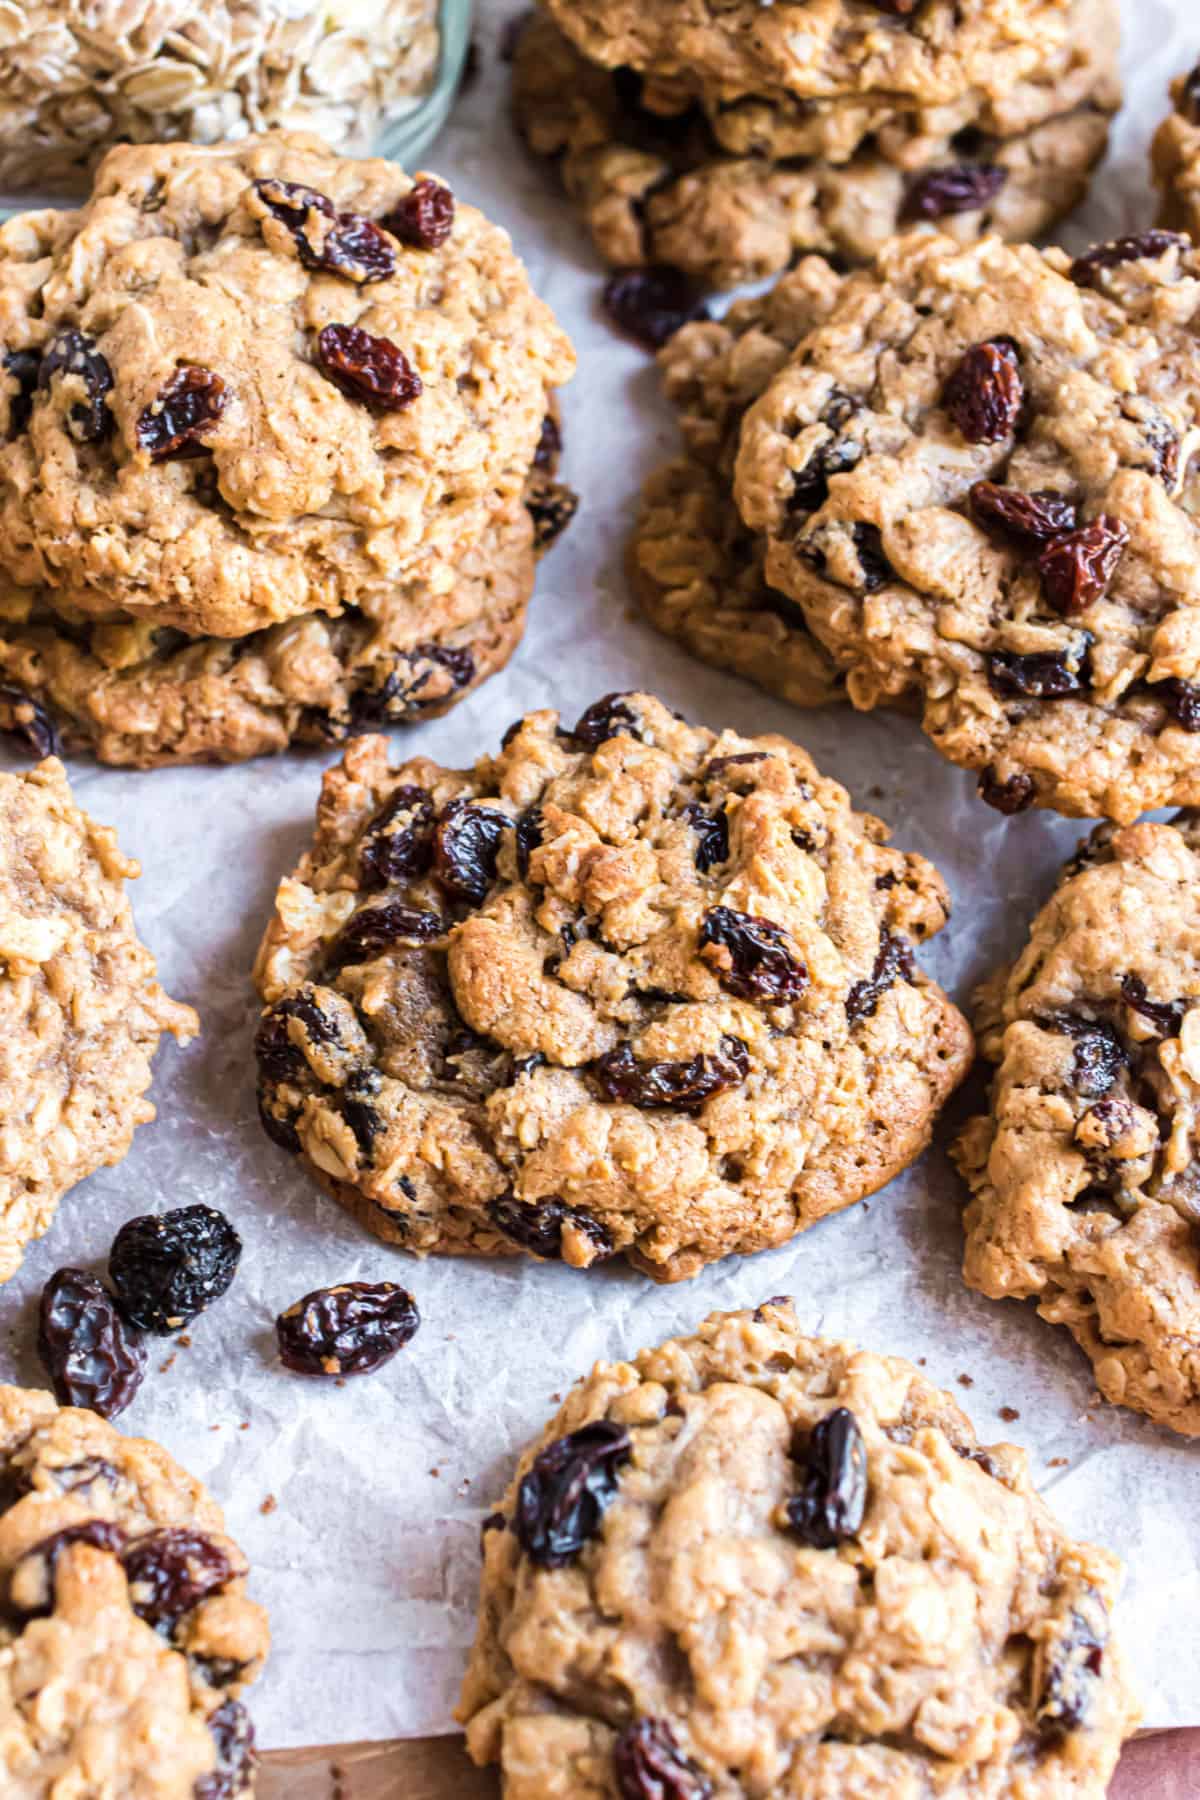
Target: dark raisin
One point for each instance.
(1099, 1053)
(91, 1355)
(466, 845)
(424, 218)
(368, 368)
(78, 1477)
(721, 765)
(876, 570)
(168, 1267)
(365, 1121)
(606, 718)
(963, 188)
(651, 304)
(810, 485)
(1034, 518)
(985, 394)
(341, 243)
(29, 722)
(1043, 675)
(1073, 1667)
(899, 9)
(564, 1496)
(529, 837)
(1014, 794)
(551, 505)
(688, 1085)
(189, 406)
(171, 1571)
(398, 843)
(73, 353)
(233, 1735)
(23, 366)
(538, 1225)
(1077, 569)
(100, 1533)
(751, 956)
(281, 1131)
(712, 835)
(279, 1057)
(1166, 1016)
(1086, 269)
(549, 445)
(893, 962)
(1182, 701)
(833, 1484)
(649, 1765)
(419, 678)
(375, 929)
(351, 1329)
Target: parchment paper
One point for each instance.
(368, 1557)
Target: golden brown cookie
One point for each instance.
(80, 1010)
(1175, 157)
(751, 1562)
(1083, 1172)
(629, 987)
(127, 1633)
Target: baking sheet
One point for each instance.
(360, 1506)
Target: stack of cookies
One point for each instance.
(278, 446)
(724, 138)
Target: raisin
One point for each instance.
(606, 718)
(833, 1487)
(893, 962)
(171, 1571)
(278, 1057)
(549, 445)
(92, 1357)
(985, 394)
(551, 505)
(1044, 675)
(466, 845)
(1073, 1668)
(687, 1085)
(721, 765)
(1099, 1053)
(233, 1735)
(166, 1268)
(403, 695)
(351, 1329)
(651, 304)
(1077, 569)
(368, 368)
(564, 1496)
(1166, 1016)
(341, 243)
(712, 835)
(1086, 269)
(24, 367)
(899, 9)
(1182, 701)
(424, 218)
(365, 1121)
(98, 1532)
(537, 1226)
(29, 721)
(1034, 518)
(378, 928)
(398, 843)
(528, 837)
(75, 354)
(751, 956)
(810, 485)
(281, 1131)
(189, 406)
(876, 570)
(649, 1765)
(1014, 794)
(76, 1477)
(963, 188)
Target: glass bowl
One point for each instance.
(409, 131)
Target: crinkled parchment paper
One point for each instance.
(368, 1557)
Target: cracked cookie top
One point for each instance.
(80, 1010)
(127, 1635)
(1085, 1193)
(978, 480)
(254, 381)
(628, 987)
(752, 1562)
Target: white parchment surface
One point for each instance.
(368, 1558)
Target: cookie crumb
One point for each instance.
(1008, 1414)
(268, 1506)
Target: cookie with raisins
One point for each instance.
(782, 1541)
(625, 987)
(1083, 1173)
